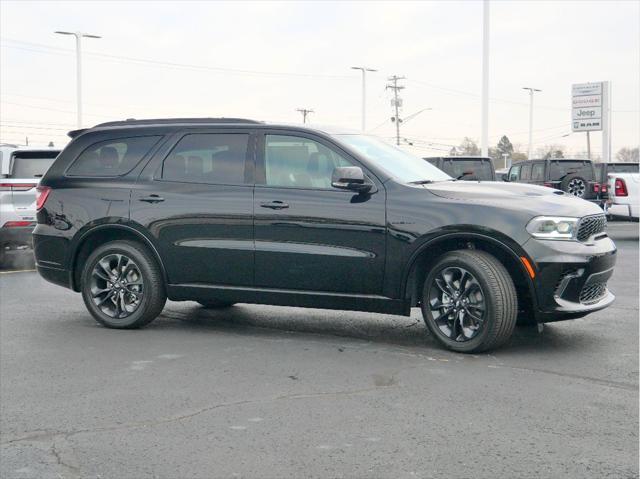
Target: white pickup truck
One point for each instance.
(21, 168)
(623, 195)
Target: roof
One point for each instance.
(212, 121)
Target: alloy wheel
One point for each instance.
(576, 187)
(457, 304)
(116, 286)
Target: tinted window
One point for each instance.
(558, 169)
(526, 172)
(537, 172)
(468, 169)
(208, 158)
(600, 171)
(299, 162)
(623, 168)
(514, 173)
(32, 164)
(112, 157)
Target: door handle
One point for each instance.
(152, 199)
(274, 205)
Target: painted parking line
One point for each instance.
(18, 271)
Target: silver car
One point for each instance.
(21, 168)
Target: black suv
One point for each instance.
(221, 211)
(575, 177)
(468, 168)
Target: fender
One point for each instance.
(111, 224)
(504, 243)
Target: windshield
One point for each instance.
(32, 164)
(469, 169)
(400, 165)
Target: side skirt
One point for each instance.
(286, 297)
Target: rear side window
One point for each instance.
(32, 164)
(114, 157)
(561, 168)
(537, 172)
(525, 174)
(217, 158)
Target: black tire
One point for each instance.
(215, 304)
(575, 185)
(151, 285)
(499, 301)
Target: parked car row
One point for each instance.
(21, 168)
(578, 177)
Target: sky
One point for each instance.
(264, 60)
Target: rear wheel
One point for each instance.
(122, 285)
(469, 301)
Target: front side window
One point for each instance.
(217, 158)
(112, 157)
(297, 162)
(514, 173)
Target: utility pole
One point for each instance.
(531, 91)
(484, 137)
(364, 93)
(79, 36)
(588, 146)
(396, 102)
(304, 112)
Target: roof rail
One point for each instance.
(162, 121)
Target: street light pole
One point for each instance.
(79, 36)
(364, 93)
(484, 138)
(531, 91)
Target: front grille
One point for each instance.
(593, 293)
(591, 225)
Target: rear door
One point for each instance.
(196, 198)
(537, 173)
(309, 235)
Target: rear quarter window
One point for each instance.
(114, 157)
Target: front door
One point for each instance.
(308, 235)
(197, 202)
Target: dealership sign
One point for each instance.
(588, 106)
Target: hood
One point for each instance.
(539, 200)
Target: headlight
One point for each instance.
(553, 227)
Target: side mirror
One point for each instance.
(506, 178)
(350, 178)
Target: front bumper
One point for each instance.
(571, 279)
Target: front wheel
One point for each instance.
(469, 301)
(122, 285)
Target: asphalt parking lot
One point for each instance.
(256, 391)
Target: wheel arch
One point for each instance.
(101, 234)
(432, 249)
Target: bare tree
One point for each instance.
(628, 155)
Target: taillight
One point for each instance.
(603, 188)
(16, 186)
(621, 187)
(41, 196)
(596, 187)
(18, 224)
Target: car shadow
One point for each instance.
(274, 322)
